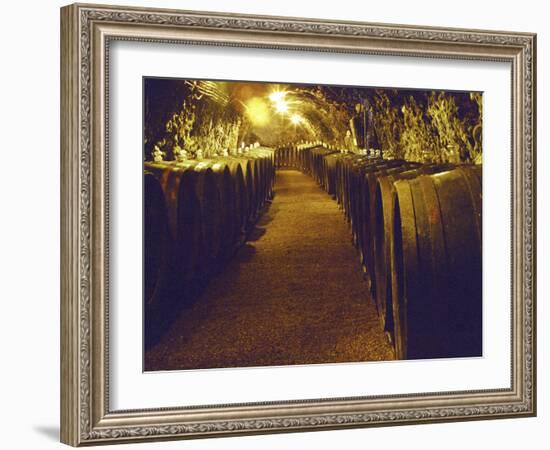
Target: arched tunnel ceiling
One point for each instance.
(216, 115)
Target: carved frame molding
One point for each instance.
(86, 31)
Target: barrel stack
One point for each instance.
(197, 214)
(157, 241)
(436, 264)
(417, 229)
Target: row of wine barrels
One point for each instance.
(191, 191)
(264, 175)
(344, 179)
(161, 224)
(315, 164)
(289, 158)
(418, 232)
(198, 213)
(436, 264)
(239, 203)
(157, 241)
(382, 212)
(301, 157)
(329, 173)
(364, 214)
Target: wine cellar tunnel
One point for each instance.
(297, 224)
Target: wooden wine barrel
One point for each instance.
(263, 177)
(277, 157)
(339, 172)
(329, 182)
(346, 184)
(249, 178)
(157, 274)
(352, 172)
(306, 159)
(310, 161)
(317, 156)
(355, 168)
(437, 266)
(368, 215)
(284, 161)
(383, 228)
(291, 157)
(192, 201)
(246, 166)
(281, 158)
(229, 214)
(248, 199)
(184, 223)
(344, 179)
(359, 201)
(254, 187)
(357, 171)
(240, 204)
(157, 243)
(206, 184)
(271, 173)
(301, 161)
(189, 252)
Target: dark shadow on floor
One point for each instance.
(256, 234)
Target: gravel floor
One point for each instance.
(294, 294)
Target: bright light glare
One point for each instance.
(278, 99)
(277, 96)
(296, 119)
(281, 106)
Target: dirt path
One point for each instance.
(294, 294)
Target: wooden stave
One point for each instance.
(185, 234)
(240, 199)
(172, 177)
(464, 262)
(229, 211)
(195, 255)
(156, 237)
(383, 234)
(362, 201)
(247, 169)
(368, 193)
(357, 172)
(436, 267)
(262, 179)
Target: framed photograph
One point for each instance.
(276, 224)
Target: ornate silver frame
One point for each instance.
(86, 31)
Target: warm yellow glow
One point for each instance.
(281, 106)
(277, 96)
(296, 119)
(257, 111)
(279, 102)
